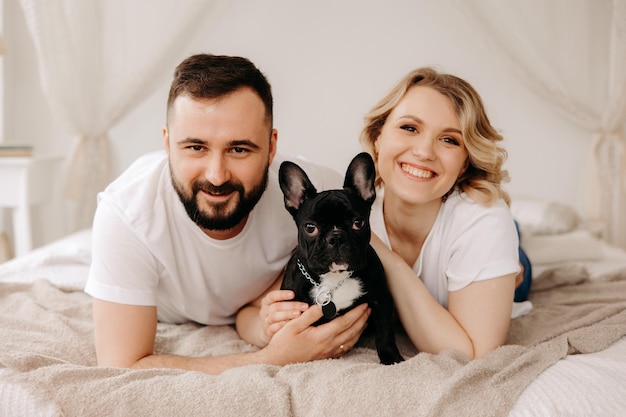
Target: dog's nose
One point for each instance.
(335, 238)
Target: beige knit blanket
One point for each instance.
(47, 363)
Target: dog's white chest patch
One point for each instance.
(344, 289)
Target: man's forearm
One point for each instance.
(249, 327)
(212, 365)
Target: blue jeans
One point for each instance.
(522, 291)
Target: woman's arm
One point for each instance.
(483, 309)
(477, 318)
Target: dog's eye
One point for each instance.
(311, 229)
(358, 224)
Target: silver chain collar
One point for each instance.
(325, 292)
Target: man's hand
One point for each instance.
(276, 311)
(125, 338)
(299, 341)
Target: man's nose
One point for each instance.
(217, 171)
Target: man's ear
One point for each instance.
(273, 145)
(166, 139)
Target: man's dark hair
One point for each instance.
(213, 76)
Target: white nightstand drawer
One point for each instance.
(26, 181)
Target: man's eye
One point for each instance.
(358, 224)
(196, 148)
(239, 150)
(311, 229)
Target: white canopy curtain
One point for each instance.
(98, 59)
(573, 53)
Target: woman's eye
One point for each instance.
(409, 128)
(358, 224)
(450, 140)
(310, 229)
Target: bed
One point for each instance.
(566, 353)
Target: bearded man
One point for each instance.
(199, 232)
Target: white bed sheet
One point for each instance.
(579, 385)
(64, 262)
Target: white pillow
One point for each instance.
(542, 217)
(578, 245)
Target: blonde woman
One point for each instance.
(441, 219)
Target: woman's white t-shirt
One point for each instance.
(147, 251)
(468, 242)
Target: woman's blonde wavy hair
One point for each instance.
(484, 174)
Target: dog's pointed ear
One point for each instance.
(360, 176)
(295, 185)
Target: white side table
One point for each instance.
(24, 182)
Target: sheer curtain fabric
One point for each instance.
(572, 53)
(96, 63)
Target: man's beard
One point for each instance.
(220, 219)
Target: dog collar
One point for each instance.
(324, 295)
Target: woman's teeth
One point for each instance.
(417, 172)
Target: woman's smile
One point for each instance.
(417, 172)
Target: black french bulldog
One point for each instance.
(334, 264)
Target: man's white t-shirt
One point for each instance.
(468, 242)
(148, 252)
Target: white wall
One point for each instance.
(329, 62)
